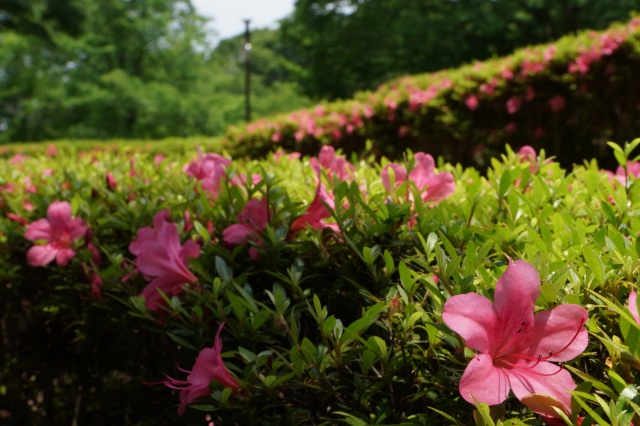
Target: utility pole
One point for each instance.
(247, 72)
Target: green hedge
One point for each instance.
(569, 98)
(337, 324)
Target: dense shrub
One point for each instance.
(311, 291)
(569, 98)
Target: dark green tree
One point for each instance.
(41, 17)
(351, 45)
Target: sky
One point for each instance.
(229, 15)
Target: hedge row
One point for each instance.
(190, 289)
(569, 98)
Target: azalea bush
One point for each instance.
(194, 288)
(568, 97)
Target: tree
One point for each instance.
(40, 17)
(351, 45)
(133, 73)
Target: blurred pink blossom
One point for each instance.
(557, 103)
(111, 182)
(434, 187)
(162, 259)
(513, 104)
(252, 221)
(631, 304)
(472, 102)
(210, 169)
(332, 164)
(528, 154)
(633, 169)
(317, 212)
(59, 231)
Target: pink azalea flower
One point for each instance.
(515, 346)
(209, 367)
(435, 187)
(253, 219)
(317, 212)
(111, 182)
(210, 169)
(158, 158)
(633, 169)
(513, 104)
(631, 304)
(59, 231)
(17, 218)
(557, 103)
(472, 102)
(162, 259)
(332, 164)
(528, 154)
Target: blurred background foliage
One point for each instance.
(153, 69)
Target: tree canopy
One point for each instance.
(351, 45)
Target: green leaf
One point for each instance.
(594, 263)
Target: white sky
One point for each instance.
(229, 15)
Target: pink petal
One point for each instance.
(473, 317)
(59, 213)
(39, 230)
(484, 382)
(156, 261)
(514, 300)
(316, 211)
(64, 256)
(77, 228)
(400, 175)
(237, 234)
(41, 255)
(631, 304)
(439, 187)
(559, 332)
(545, 378)
(189, 249)
(167, 284)
(144, 234)
(423, 170)
(168, 237)
(161, 217)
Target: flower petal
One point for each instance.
(483, 382)
(473, 317)
(544, 378)
(64, 256)
(59, 213)
(631, 304)
(514, 301)
(439, 187)
(39, 230)
(517, 288)
(41, 255)
(557, 334)
(237, 234)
